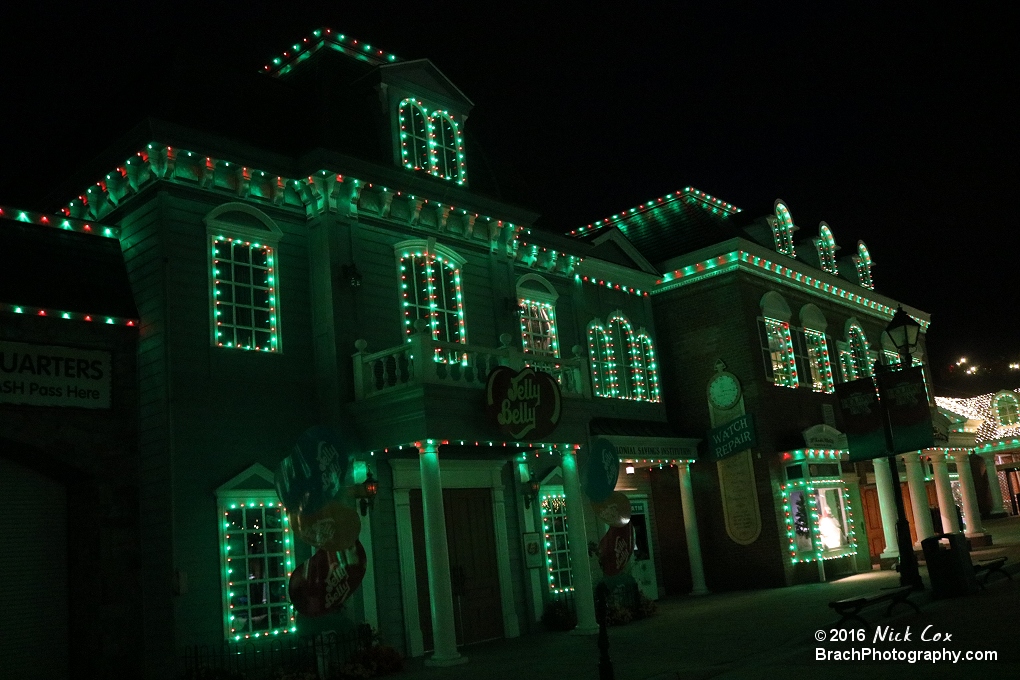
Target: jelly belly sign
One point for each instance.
(40, 375)
(523, 404)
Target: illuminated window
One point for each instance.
(430, 289)
(557, 547)
(414, 136)
(812, 350)
(827, 248)
(847, 364)
(243, 278)
(777, 352)
(256, 548)
(819, 524)
(863, 263)
(536, 304)
(622, 360)
(858, 345)
(782, 230)
(1006, 409)
(430, 142)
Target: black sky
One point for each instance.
(895, 126)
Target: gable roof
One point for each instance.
(676, 223)
(323, 39)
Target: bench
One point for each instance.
(851, 607)
(988, 567)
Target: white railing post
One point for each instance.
(359, 368)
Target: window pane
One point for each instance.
(244, 278)
(240, 252)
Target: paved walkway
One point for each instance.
(768, 633)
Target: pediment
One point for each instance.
(422, 79)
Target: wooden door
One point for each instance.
(474, 575)
(873, 522)
(671, 544)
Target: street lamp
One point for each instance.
(903, 331)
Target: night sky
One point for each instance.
(895, 127)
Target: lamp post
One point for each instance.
(903, 332)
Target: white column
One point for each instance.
(444, 634)
(971, 511)
(691, 529)
(886, 506)
(947, 504)
(408, 578)
(993, 484)
(918, 497)
(584, 594)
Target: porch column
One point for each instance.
(997, 509)
(444, 634)
(971, 511)
(584, 594)
(918, 497)
(947, 504)
(886, 506)
(691, 529)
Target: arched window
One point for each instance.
(415, 136)
(827, 248)
(646, 354)
(603, 361)
(782, 230)
(812, 348)
(1006, 409)
(859, 353)
(776, 340)
(448, 150)
(430, 288)
(864, 264)
(623, 361)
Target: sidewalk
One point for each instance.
(766, 633)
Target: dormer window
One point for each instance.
(782, 230)
(827, 248)
(1006, 409)
(431, 142)
(863, 262)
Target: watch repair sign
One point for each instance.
(40, 375)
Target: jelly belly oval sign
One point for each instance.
(523, 404)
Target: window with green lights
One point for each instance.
(431, 290)
(819, 524)
(812, 352)
(1006, 409)
(430, 142)
(622, 360)
(557, 548)
(858, 344)
(256, 549)
(777, 352)
(244, 305)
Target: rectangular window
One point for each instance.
(257, 549)
(847, 365)
(777, 352)
(538, 328)
(431, 291)
(244, 295)
(557, 553)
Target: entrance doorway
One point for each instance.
(669, 530)
(471, 539)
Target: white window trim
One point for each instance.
(217, 226)
(429, 246)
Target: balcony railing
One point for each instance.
(424, 361)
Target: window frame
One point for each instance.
(997, 402)
(555, 570)
(534, 291)
(431, 252)
(782, 229)
(245, 500)
(769, 328)
(826, 245)
(857, 342)
(631, 371)
(220, 228)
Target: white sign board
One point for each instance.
(41, 375)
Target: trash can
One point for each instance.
(949, 567)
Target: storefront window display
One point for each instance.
(816, 504)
